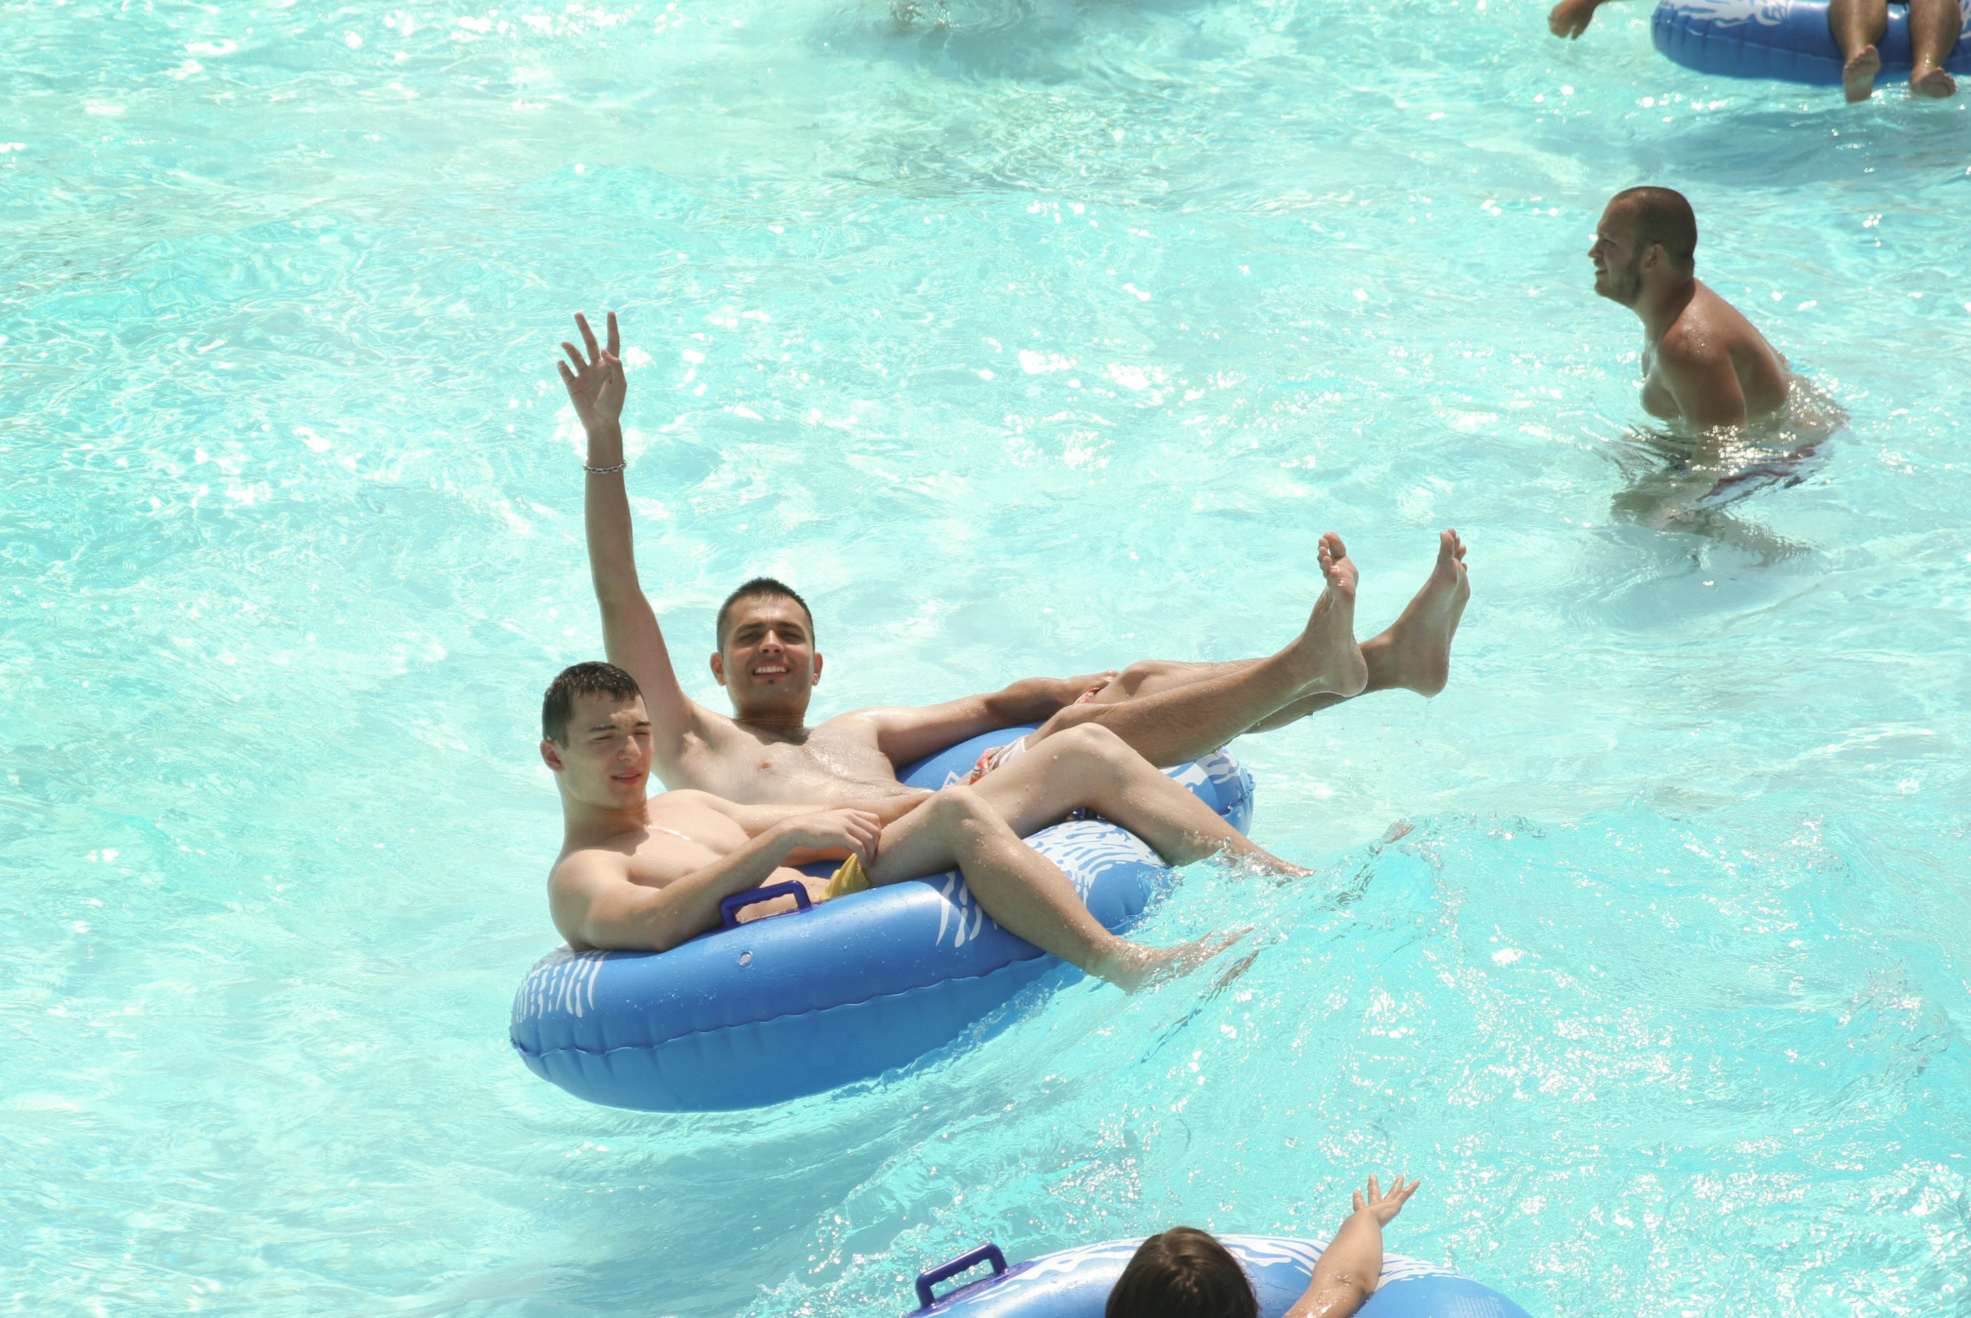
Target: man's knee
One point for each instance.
(958, 804)
(962, 820)
(1093, 741)
(1133, 677)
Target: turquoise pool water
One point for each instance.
(1024, 337)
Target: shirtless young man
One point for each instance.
(648, 872)
(1704, 366)
(767, 662)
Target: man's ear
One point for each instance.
(718, 668)
(551, 754)
(1655, 256)
(815, 679)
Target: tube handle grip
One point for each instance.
(986, 1253)
(730, 907)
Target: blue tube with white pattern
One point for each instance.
(851, 990)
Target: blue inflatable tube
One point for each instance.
(1075, 1283)
(1783, 39)
(793, 1005)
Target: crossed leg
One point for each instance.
(1172, 712)
(979, 830)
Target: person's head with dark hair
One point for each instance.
(1182, 1273)
(766, 659)
(1185, 1273)
(1645, 235)
(1661, 215)
(595, 735)
(585, 679)
(761, 588)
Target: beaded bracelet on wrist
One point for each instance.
(603, 471)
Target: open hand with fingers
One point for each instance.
(596, 385)
(1384, 1207)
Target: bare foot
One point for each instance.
(1260, 861)
(1330, 658)
(1133, 966)
(1415, 652)
(1934, 83)
(1858, 74)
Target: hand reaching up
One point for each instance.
(596, 385)
(1384, 1207)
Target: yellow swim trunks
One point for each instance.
(846, 880)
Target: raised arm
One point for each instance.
(906, 733)
(1350, 1266)
(597, 905)
(630, 633)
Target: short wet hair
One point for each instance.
(586, 679)
(759, 588)
(1182, 1273)
(1663, 216)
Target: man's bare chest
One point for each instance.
(677, 840)
(826, 765)
(1657, 400)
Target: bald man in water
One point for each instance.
(1704, 366)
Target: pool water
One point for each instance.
(1023, 336)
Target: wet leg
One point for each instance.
(1414, 652)
(1856, 26)
(1189, 714)
(1933, 28)
(1022, 890)
(1090, 767)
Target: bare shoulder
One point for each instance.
(713, 739)
(1711, 315)
(585, 869)
(867, 724)
(1694, 341)
(684, 799)
(710, 730)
